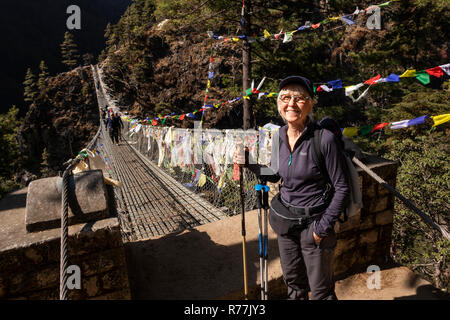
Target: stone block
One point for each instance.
(91, 286)
(3, 287)
(351, 223)
(379, 204)
(344, 245)
(115, 295)
(87, 201)
(370, 236)
(384, 217)
(114, 280)
(367, 222)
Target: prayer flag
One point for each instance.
(440, 119)
(446, 68)
(379, 126)
(350, 131)
(399, 124)
(210, 75)
(266, 34)
(365, 129)
(336, 84)
(393, 78)
(182, 117)
(416, 121)
(350, 89)
(347, 19)
(315, 26)
(410, 73)
(154, 123)
(384, 4)
(287, 37)
(436, 71)
(372, 80)
(325, 88)
(423, 77)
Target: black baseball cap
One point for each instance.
(299, 80)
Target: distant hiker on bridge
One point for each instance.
(304, 212)
(114, 126)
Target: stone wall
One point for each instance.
(29, 262)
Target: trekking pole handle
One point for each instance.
(266, 197)
(258, 189)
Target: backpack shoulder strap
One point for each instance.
(317, 153)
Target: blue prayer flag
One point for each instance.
(416, 121)
(347, 19)
(336, 84)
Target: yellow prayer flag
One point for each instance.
(208, 84)
(266, 34)
(350, 131)
(246, 97)
(440, 119)
(235, 39)
(221, 180)
(410, 73)
(202, 180)
(334, 18)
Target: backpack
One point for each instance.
(349, 148)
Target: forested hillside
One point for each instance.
(158, 58)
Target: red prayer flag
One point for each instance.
(182, 116)
(379, 126)
(436, 71)
(315, 26)
(154, 123)
(235, 175)
(372, 80)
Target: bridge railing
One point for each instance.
(202, 159)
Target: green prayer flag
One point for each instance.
(248, 91)
(164, 120)
(325, 21)
(423, 77)
(314, 88)
(383, 4)
(365, 129)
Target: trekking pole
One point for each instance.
(258, 188)
(408, 203)
(244, 253)
(266, 238)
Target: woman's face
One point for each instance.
(294, 104)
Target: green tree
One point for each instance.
(30, 87)
(9, 157)
(45, 168)
(69, 51)
(43, 75)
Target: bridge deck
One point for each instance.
(156, 203)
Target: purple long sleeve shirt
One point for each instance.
(302, 183)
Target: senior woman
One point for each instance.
(305, 210)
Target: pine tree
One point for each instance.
(45, 167)
(30, 87)
(43, 75)
(69, 51)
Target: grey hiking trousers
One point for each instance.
(306, 265)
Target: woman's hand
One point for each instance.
(317, 239)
